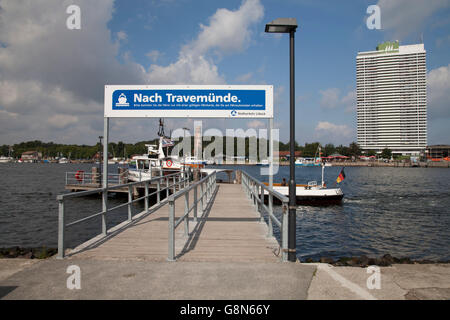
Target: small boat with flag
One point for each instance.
(311, 193)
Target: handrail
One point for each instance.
(208, 186)
(163, 183)
(256, 192)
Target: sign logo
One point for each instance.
(233, 113)
(122, 101)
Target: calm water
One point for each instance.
(401, 211)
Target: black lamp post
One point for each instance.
(289, 25)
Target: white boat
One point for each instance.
(308, 162)
(63, 160)
(194, 161)
(146, 166)
(264, 162)
(310, 194)
(6, 159)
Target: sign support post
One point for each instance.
(105, 173)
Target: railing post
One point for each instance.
(171, 242)
(186, 210)
(270, 229)
(201, 198)
(130, 198)
(61, 227)
(105, 210)
(261, 205)
(284, 233)
(167, 187)
(195, 203)
(158, 189)
(146, 196)
(209, 188)
(255, 196)
(174, 185)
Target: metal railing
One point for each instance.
(89, 178)
(163, 183)
(207, 188)
(256, 191)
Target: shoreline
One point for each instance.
(43, 252)
(395, 164)
(363, 261)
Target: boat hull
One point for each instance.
(306, 196)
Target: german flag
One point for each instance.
(341, 176)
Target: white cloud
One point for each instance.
(244, 77)
(256, 124)
(438, 83)
(349, 101)
(329, 98)
(154, 55)
(402, 18)
(122, 35)
(52, 79)
(228, 32)
(334, 133)
(62, 120)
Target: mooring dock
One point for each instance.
(221, 222)
(229, 230)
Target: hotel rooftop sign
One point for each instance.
(179, 101)
(388, 46)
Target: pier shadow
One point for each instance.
(5, 290)
(194, 235)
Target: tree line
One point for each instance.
(125, 150)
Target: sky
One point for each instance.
(52, 78)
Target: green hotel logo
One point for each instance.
(388, 46)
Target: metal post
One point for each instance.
(130, 198)
(292, 185)
(61, 227)
(201, 198)
(261, 205)
(270, 228)
(195, 203)
(171, 252)
(186, 210)
(174, 184)
(167, 187)
(158, 190)
(146, 197)
(284, 233)
(105, 174)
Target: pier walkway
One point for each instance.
(230, 230)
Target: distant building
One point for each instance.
(392, 98)
(31, 156)
(286, 154)
(437, 152)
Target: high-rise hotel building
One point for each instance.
(392, 98)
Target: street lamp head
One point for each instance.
(282, 25)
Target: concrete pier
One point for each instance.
(227, 255)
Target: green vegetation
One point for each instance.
(386, 153)
(121, 149)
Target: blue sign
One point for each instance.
(189, 99)
(183, 101)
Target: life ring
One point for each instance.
(169, 163)
(79, 175)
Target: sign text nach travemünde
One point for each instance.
(255, 101)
